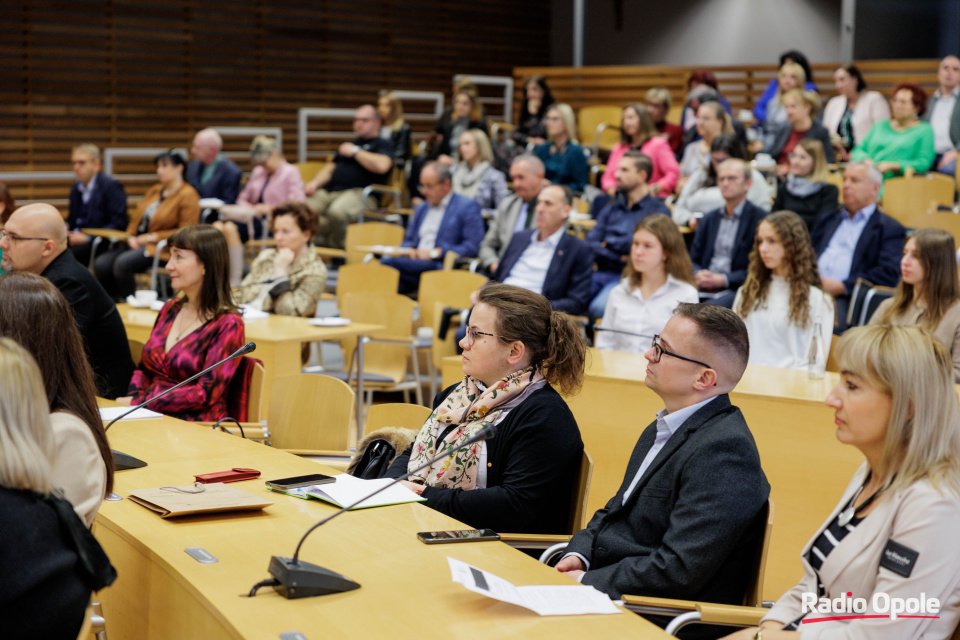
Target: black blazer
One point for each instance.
(809, 208)
(690, 527)
(98, 321)
(107, 208)
(223, 184)
(569, 276)
(816, 132)
(401, 143)
(701, 252)
(532, 464)
(878, 251)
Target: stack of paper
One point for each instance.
(111, 413)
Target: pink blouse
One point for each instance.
(666, 172)
(284, 185)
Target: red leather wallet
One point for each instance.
(234, 475)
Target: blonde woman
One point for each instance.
(712, 120)
(393, 127)
(791, 76)
(805, 191)
(801, 107)
(562, 155)
(474, 176)
(894, 530)
(50, 562)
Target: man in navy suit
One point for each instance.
(688, 516)
(445, 222)
(97, 201)
(724, 238)
(857, 241)
(211, 173)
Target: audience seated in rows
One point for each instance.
(517, 354)
(802, 78)
(474, 176)
(612, 236)
(35, 241)
(445, 222)
(562, 156)
(800, 107)
(929, 293)
(657, 101)
(335, 193)
(687, 518)
(712, 120)
(658, 276)
(192, 332)
(857, 240)
(943, 115)
(790, 77)
(516, 212)
(721, 245)
(805, 190)
(290, 279)
(531, 122)
(782, 301)
(638, 133)
(393, 126)
(892, 532)
(701, 193)
(211, 173)
(167, 206)
(97, 201)
(849, 116)
(36, 315)
(50, 562)
(903, 141)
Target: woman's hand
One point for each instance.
(283, 261)
(125, 401)
(134, 242)
(416, 488)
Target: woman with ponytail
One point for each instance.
(517, 354)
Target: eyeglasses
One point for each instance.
(473, 332)
(659, 351)
(15, 238)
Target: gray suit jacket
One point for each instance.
(919, 518)
(691, 526)
(500, 233)
(954, 119)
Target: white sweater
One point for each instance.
(628, 312)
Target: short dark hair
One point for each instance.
(6, 198)
(305, 217)
(567, 193)
(720, 327)
(854, 72)
(800, 59)
(210, 246)
(172, 157)
(641, 161)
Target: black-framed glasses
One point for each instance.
(473, 332)
(659, 351)
(15, 238)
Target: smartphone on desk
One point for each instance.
(466, 535)
(296, 482)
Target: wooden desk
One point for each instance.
(806, 467)
(278, 341)
(163, 593)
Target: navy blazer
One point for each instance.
(223, 184)
(107, 208)
(691, 526)
(877, 255)
(569, 277)
(702, 250)
(461, 229)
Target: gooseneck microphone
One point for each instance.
(295, 579)
(123, 461)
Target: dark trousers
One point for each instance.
(410, 270)
(116, 270)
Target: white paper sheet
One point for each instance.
(252, 313)
(547, 600)
(347, 490)
(110, 413)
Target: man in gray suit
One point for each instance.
(516, 212)
(687, 519)
(943, 114)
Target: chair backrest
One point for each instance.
(309, 411)
(836, 179)
(590, 119)
(440, 289)
(581, 493)
(371, 233)
(907, 199)
(136, 349)
(366, 278)
(396, 414)
(308, 170)
(932, 218)
(872, 300)
(390, 309)
(753, 597)
(245, 392)
(857, 297)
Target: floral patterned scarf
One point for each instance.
(467, 410)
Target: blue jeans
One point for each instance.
(603, 284)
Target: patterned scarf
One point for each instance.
(467, 410)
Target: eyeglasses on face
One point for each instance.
(15, 238)
(659, 352)
(473, 332)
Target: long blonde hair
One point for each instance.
(26, 438)
(569, 120)
(396, 110)
(923, 434)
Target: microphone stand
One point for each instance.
(295, 579)
(123, 461)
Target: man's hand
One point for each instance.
(421, 254)
(125, 401)
(833, 287)
(709, 281)
(134, 242)
(571, 564)
(348, 149)
(947, 158)
(75, 238)
(310, 188)
(693, 223)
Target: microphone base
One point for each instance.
(305, 580)
(123, 461)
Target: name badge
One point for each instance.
(899, 559)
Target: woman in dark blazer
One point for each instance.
(394, 128)
(517, 349)
(801, 108)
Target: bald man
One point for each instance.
(687, 519)
(211, 173)
(35, 241)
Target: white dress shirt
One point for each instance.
(837, 259)
(530, 271)
(628, 312)
(430, 226)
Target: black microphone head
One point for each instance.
(249, 347)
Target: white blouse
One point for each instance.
(774, 340)
(77, 465)
(628, 312)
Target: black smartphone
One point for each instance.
(300, 481)
(467, 535)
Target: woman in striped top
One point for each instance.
(894, 531)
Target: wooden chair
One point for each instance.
(371, 233)
(599, 127)
(311, 415)
(250, 416)
(366, 278)
(836, 179)
(441, 289)
(136, 350)
(308, 170)
(396, 414)
(864, 300)
(907, 198)
(832, 358)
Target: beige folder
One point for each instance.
(215, 498)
